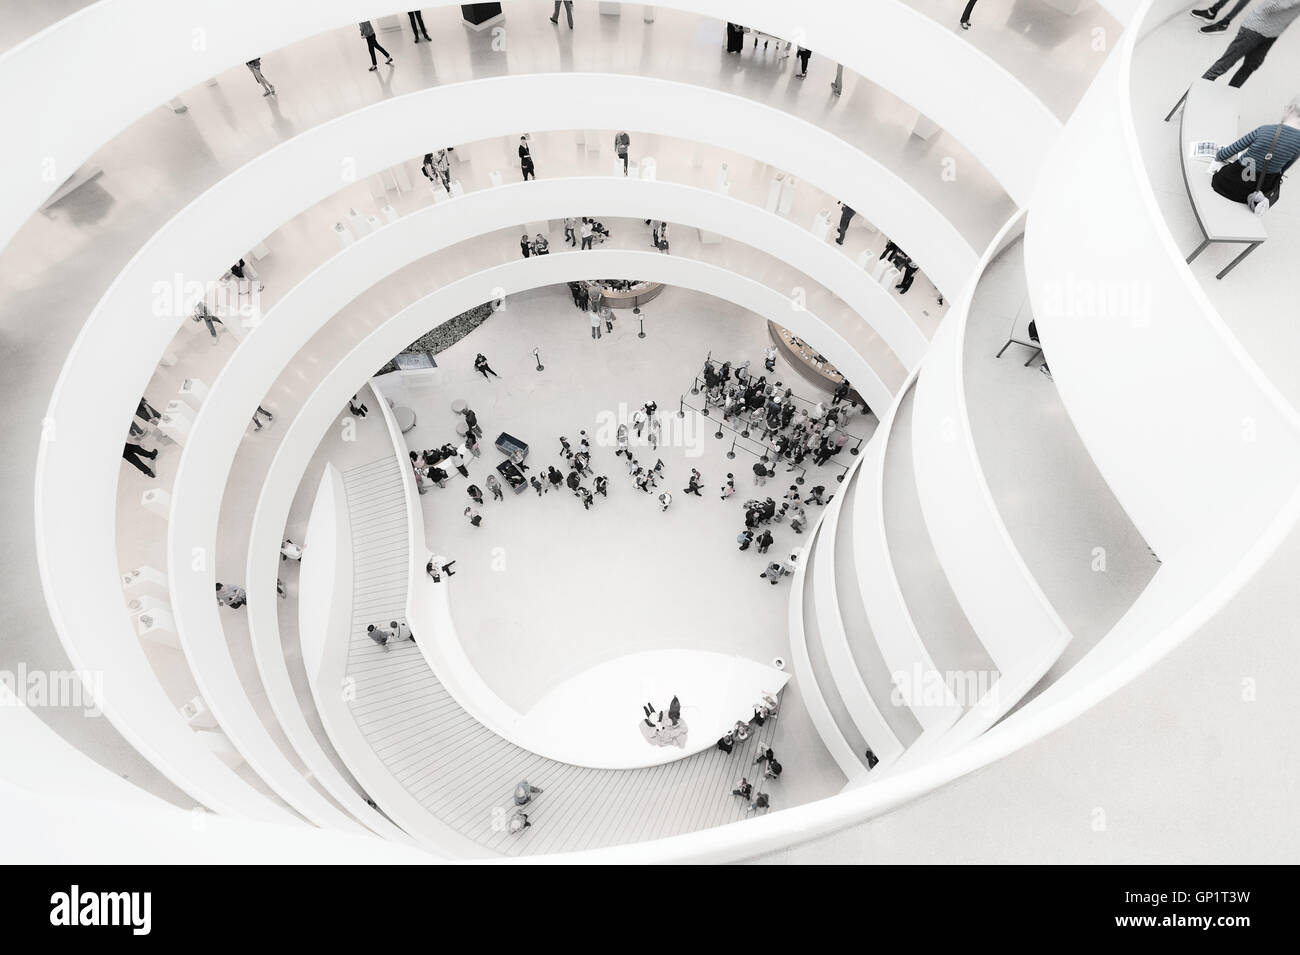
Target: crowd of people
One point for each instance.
(766, 707)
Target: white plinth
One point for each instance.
(157, 626)
(176, 426)
(821, 225)
(648, 169)
(648, 14)
(373, 223)
(494, 177)
(774, 193)
(924, 127)
(144, 580)
(390, 214)
(259, 251)
(456, 188)
(377, 190)
(610, 9)
(196, 713)
(357, 223)
(156, 501)
(592, 139)
(787, 195)
(709, 238)
(147, 604)
(169, 359)
(192, 392)
(866, 260)
(401, 177)
(345, 238)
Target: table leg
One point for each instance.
(1181, 100)
(1003, 348)
(1233, 264)
(1199, 249)
(1037, 352)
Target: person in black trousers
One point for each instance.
(417, 25)
(526, 160)
(909, 272)
(133, 453)
(146, 412)
(525, 245)
(965, 14)
(803, 53)
(568, 8)
(482, 367)
(372, 44)
(846, 216)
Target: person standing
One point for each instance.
(665, 499)
(693, 485)
(525, 792)
(482, 367)
(132, 453)
(541, 246)
(1259, 31)
(1209, 13)
(568, 9)
(764, 541)
(372, 44)
(378, 635)
(735, 38)
(232, 596)
(255, 67)
(846, 216)
(475, 518)
(621, 143)
(602, 485)
(494, 486)
(729, 488)
(760, 473)
(965, 14)
(417, 24)
(471, 422)
(526, 159)
(909, 267)
(571, 237)
(525, 245)
(586, 233)
(837, 84)
(595, 324)
(804, 54)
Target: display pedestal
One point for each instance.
(144, 581)
(480, 16)
(192, 392)
(157, 626)
(821, 225)
(345, 238)
(925, 128)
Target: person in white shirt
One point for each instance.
(400, 630)
(290, 551)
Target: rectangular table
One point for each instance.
(1212, 112)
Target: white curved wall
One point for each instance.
(1197, 445)
(162, 48)
(75, 506)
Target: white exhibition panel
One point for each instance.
(999, 596)
(163, 48)
(835, 641)
(260, 359)
(211, 231)
(1198, 446)
(895, 632)
(810, 693)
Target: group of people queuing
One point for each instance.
(765, 708)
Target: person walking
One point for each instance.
(1267, 20)
(729, 488)
(745, 538)
(474, 517)
(965, 14)
(372, 44)
(1209, 13)
(621, 143)
(482, 367)
(595, 324)
(764, 541)
(571, 237)
(804, 54)
(417, 25)
(568, 9)
(132, 453)
(760, 474)
(909, 267)
(693, 485)
(846, 216)
(255, 67)
(537, 485)
(526, 159)
(494, 487)
(475, 494)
